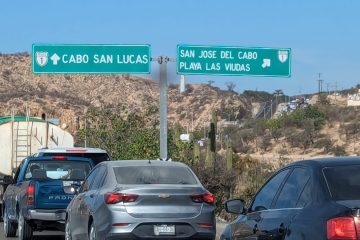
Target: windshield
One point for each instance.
(154, 175)
(343, 182)
(57, 170)
(95, 157)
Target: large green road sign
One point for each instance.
(75, 58)
(271, 62)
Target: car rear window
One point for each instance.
(95, 157)
(57, 170)
(154, 175)
(343, 182)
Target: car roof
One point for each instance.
(66, 158)
(72, 149)
(128, 163)
(328, 162)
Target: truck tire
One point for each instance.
(1, 202)
(9, 227)
(25, 230)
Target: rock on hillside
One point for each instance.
(68, 96)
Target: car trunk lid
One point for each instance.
(163, 201)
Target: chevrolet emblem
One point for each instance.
(163, 196)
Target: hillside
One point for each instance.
(68, 96)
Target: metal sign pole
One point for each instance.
(162, 60)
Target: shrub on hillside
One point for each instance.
(325, 143)
(299, 140)
(246, 135)
(265, 142)
(351, 128)
(322, 99)
(255, 175)
(218, 180)
(298, 117)
(339, 150)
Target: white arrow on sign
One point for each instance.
(55, 58)
(266, 63)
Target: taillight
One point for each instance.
(206, 197)
(342, 228)
(113, 198)
(76, 150)
(59, 158)
(30, 193)
(120, 224)
(205, 225)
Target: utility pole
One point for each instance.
(327, 86)
(320, 81)
(335, 90)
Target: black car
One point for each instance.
(310, 199)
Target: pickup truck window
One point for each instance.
(57, 170)
(17, 173)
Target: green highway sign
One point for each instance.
(215, 60)
(90, 58)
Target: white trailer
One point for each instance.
(22, 136)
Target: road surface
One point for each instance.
(60, 236)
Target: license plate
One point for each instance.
(164, 230)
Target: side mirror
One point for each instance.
(236, 206)
(7, 180)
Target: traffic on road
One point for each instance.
(310, 199)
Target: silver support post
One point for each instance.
(162, 60)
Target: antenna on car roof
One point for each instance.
(149, 161)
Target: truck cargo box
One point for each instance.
(22, 136)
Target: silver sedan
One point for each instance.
(138, 199)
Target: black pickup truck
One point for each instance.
(37, 197)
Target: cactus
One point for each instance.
(208, 159)
(212, 135)
(214, 119)
(229, 154)
(211, 146)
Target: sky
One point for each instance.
(323, 35)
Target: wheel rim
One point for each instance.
(92, 232)
(6, 221)
(67, 230)
(21, 225)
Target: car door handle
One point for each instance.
(282, 229)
